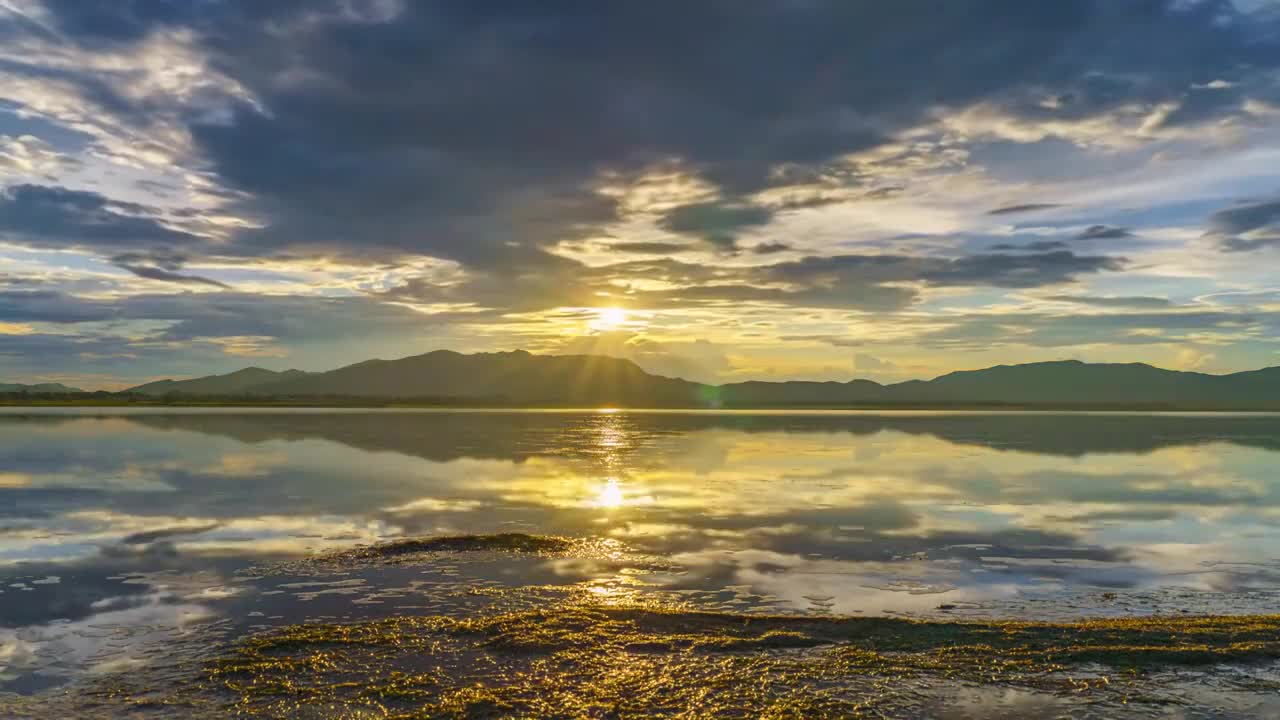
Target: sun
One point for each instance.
(609, 318)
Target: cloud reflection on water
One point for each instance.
(853, 513)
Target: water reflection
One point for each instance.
(141, 521)
(610, 496)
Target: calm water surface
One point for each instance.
(123, 532)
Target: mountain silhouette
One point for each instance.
(520, 378)
(47, 388)
(236, 383)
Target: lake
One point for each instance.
(136, 541)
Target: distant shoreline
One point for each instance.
(115, 402)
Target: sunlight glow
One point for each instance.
(609, 318)
(610, 496)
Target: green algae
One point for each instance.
(498, 542)
(598, 661)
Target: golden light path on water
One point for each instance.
(610, 496)
(943, 516)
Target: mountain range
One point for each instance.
(46, 388)
(520, 378)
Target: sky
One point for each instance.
(719, 190)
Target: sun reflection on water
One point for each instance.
(610, 495)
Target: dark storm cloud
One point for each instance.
(1104, 232)
(478, 131)
(61, 218)
(1016, 209)
(1247, 227)
(716, 223)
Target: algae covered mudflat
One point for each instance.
(593, 655)
(597, 661)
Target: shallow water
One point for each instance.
(130, 538)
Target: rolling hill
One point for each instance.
(236, 383)
(520, 378)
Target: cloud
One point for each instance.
(27, 155)
(189, 333)
(864, 282)
(1103, 232)
(994, 270)
(285, 318)
(52, 307)
(1017, 271)
(381, 135)
(1247, 227)
(769, 248)
(869, 363)
(341, 145)
(1037, 246)
(1113, 302)
(155, 273)
(979, 332)
(162, 266)
(871, 367)
(1018, 209)
(1246, 217)
(716, 223)
(59, 217)
(698, 360)
(1249, 244)
(649, 248)
(189, 316)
